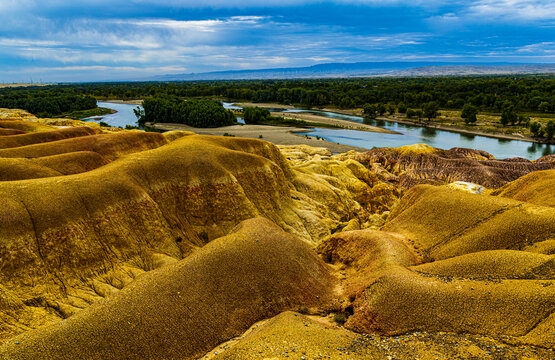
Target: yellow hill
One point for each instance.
(536, 188)
(183, 310)
(43, 137)
(446, 223)
(467, 294)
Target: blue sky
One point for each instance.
(91, 40)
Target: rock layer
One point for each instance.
(408, 166)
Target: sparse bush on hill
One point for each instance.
(340, 318)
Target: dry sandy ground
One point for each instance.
(21, 85)
(129, 102)
(264, 105)
(275, 134)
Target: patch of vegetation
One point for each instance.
(195, 113)
(255, 115)
(45, 101)
(340, 318)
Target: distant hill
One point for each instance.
(366, 69)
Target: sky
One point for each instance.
(103, 40)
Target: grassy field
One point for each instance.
(490, 122)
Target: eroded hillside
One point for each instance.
(125, 244)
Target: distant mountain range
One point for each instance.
(366, 69)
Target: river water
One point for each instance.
(124, 115)
(410, 134)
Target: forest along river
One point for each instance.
(442, 139)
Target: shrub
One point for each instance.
(255, 115)
(536, 129)
(340, 318)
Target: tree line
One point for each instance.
(45, 102)
(527, 93)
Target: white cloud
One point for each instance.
(256, 40)
(528, 10)
(542, 48)
(15, 42)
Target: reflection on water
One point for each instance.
(548, 150)
(380, 123)
(467, 136)
(411, 134)
(429, 132)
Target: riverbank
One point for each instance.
(336, 123)
(279, 135)
(264, 105)
(423, 124)
(128, 102)
(459, 130)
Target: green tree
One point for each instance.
(381, 109)
(418, 113)
(508, 115)
(411, 113)
(544, 107)
(536, 129)
(140, 114)
(469, 113)
(370, 111)
(402, 108)
(196, 113)
(390, 109)
(550, 129)
(430, 110)
(255, 115)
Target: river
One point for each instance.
(410, 134)
(124, 115)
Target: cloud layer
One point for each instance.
(105, 40)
